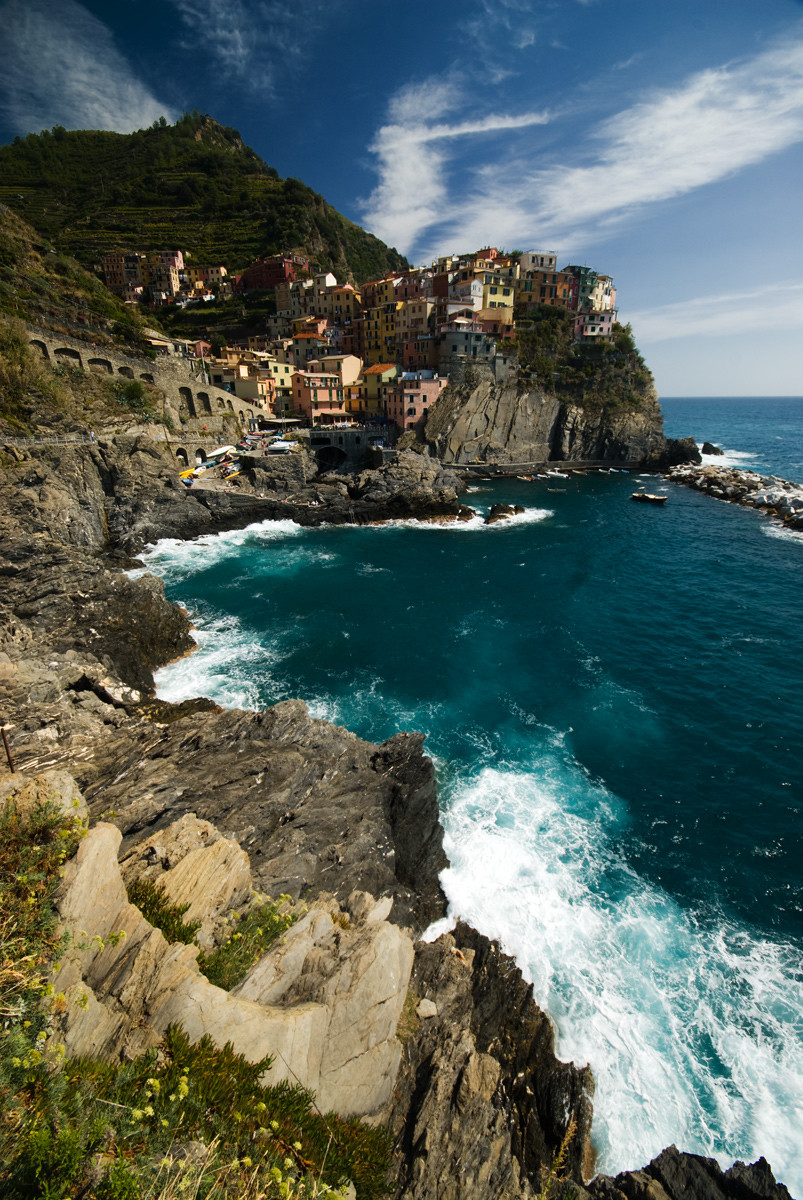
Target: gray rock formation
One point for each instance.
(325, 1005)
(768, 493)
(483, 421)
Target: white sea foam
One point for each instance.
(179, 559)
(729, 458)
(774, 530)
(690, 1029)
(229, 666)
(474, 524)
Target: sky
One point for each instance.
(657, 141)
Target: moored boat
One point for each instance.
(649, 498)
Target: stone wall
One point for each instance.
(189, 402)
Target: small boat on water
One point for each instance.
(649, 498)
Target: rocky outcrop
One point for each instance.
(325, 1005)
(487, 422)
(676, 1176)
(411, 486)
(776, 497)
(482, 1103)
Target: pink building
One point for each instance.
(319, 398)
(594, 326)
(408, 401)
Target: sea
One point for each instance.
(613, 699)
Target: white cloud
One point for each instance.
(412, 153)
(707, 128)
(253, 39)
(62, 67)
(775, 306)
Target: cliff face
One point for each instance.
(490, 422)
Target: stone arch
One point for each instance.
(231, 406)
(127, 371)
(100, 365)
(186, 398)
(200, 455)
(181, 455)
(204, 399)
(67, 354)
(330, 457)
(41, 347)
(146, 375)
(221, 403)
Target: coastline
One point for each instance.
(117, 663)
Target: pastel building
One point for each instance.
(409, 400)
(367, 397)
(594, 326)
(318, 396)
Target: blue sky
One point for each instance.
(658, 141)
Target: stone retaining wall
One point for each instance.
(195, 405)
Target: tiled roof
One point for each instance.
(378, 368)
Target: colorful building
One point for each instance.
(319, 397)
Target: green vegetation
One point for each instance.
(24, 379)
(152, 902)
(229, 964)
(46, 288)
(192, 186)
(133, 395)
(610, 374)
(182, 1119)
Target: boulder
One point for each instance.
(53, 787)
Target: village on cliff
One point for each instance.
(334, 354)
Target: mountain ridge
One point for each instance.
(194, 185)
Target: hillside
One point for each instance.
(604, 374)
(193, 186)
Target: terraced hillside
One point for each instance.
(194, 185)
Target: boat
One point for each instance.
(649, 498)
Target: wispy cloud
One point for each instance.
(773, 306)
(412, 152)
(61, 67)
(257, 39)
(674, 141)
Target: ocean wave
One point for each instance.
(477, 522)
(178, 560)
(774, 530)
(693, 1027)
(229, 666)
(729, 458)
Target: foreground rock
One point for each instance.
(325, 1004)
(772, 495)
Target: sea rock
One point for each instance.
(775, 496)
(709, 448)
(482, 1103)
(502, 512)
(677, 1176)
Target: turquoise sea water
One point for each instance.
(611, 693)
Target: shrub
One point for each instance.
(153, 903)
(228, 965)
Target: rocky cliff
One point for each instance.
(518, 423)
(441, 1041)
